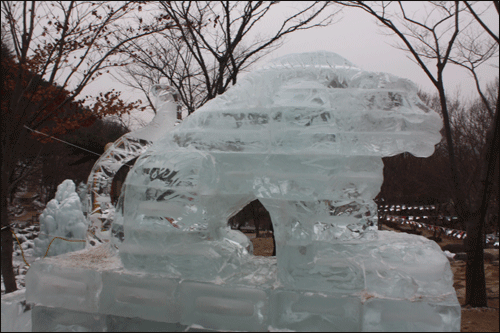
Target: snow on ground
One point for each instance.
(16, 314)
(26, 236)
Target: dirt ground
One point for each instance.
(482, 319)
(473, 319)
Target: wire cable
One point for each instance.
(22, 252)
(50, 136)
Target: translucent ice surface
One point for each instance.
(397, 282)
(62, 217)
(304, 134)
(16, 313)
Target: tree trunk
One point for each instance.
(274, 240)
(9, 279)
(256, 223)
(475, 283)
(474, 273)
(253, 208)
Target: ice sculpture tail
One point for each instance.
(125, 149)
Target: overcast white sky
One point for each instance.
(359, 39)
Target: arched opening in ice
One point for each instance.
(254, 217)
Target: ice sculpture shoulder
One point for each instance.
(304, 134)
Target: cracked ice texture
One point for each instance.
(63, 217)
(305, 135)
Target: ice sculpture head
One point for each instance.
(167, 104)
(164, 93)
(304, 134)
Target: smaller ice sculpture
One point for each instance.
(63, 217)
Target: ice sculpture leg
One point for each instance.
(407, 286)
(305, 230)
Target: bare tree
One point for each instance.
(474, 51)
(434, 38)
(59, 48)
(471, 125)
(408, 179)
(212, 43)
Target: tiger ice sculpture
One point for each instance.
(304, 135)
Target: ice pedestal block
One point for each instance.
(224, 307)
(16, 313)
(396, 316)
(310, 311)
(48, 319)
(305, 136)
(398, 282)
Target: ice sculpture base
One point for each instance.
(16, 313)
(91, 290)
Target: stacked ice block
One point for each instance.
(398, 282)
(304, 135)
(16, 313)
